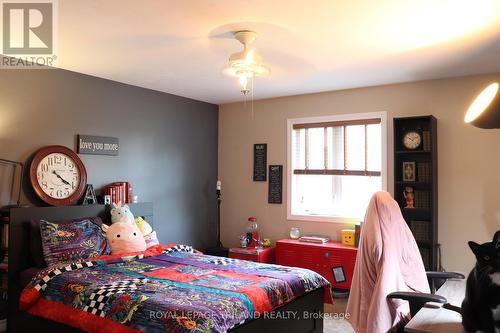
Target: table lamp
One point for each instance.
(219, 249)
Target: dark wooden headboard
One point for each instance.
(19, 239)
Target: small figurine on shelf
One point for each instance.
(243, 241)
(409, 197)
(266, 242)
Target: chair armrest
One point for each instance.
(413, 296)
(444, 275)
(416, 300)
(436, 279)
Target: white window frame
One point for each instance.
(332, 118)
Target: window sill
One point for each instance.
(324, 219)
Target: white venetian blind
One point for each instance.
(337, 148)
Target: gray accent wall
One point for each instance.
(168, 144)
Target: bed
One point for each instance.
(157, 284)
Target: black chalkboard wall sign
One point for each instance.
(275, 194)
(260, 162)
(98, 145)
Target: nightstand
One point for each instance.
(264, 255)
(217, 251)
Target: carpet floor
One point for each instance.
(332, 325)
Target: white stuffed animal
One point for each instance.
(121, 213)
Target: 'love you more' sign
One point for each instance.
(98, 145)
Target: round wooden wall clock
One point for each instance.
(412, 140)
(58, 176)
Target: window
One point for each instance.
(335, 164)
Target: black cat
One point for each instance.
(481, 306)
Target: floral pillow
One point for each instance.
(72, 241)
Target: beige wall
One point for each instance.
(469, 159)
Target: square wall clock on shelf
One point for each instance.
(415, 181)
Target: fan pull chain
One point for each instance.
(252, 99)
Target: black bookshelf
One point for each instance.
(422, 218)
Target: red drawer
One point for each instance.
(298, 256)
(265, 255)
(243, 256)
(339, 258)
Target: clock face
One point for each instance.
(58, 175)
(412, 140)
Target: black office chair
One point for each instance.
(389, 261)
(418, 300)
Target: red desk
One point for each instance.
(320, 258)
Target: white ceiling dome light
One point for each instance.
(246, 64)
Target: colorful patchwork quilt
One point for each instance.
(167, 288)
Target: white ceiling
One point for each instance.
(182, 46)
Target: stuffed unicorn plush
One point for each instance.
(118, 212)
(124, 237)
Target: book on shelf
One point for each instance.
(314, 239)
(424, 172)
(420, 230)
(118, 192)
(123, 190)
(422, 199)
(426, 138)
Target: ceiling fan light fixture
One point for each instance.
(246, 64)
(243, 80)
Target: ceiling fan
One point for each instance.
(247, 64)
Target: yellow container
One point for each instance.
(348, 237)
